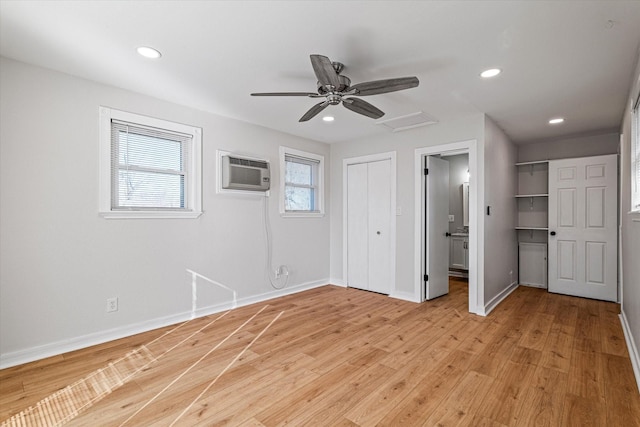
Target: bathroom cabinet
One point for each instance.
(459, 255)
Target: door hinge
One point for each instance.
(426, 277)
(426, 171)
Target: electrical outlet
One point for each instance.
(112, 304)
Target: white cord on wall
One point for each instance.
(282, 271)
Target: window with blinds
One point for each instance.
(149, 168)
(301, 182)
(635, 157)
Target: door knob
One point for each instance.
(378, 233)
(447, 234)
(553, 233)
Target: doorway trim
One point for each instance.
(476, 226)
(391, 156)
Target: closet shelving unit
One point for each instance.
(533, 222)
(532, 188)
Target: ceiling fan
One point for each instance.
(336, 88)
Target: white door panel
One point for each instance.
(567, 207)
(357, 230)
(567, 259)
(582, 225)
(596, 261)
(437, 263)
(379, 226)
(595, 207)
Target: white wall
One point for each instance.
(59, 261)
(404, 144)
(500, 238)
(630, 239)
(564, 148)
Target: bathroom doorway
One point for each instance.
(473, 259)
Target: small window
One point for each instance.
(635, 157)
(149, 168)
(301, 183)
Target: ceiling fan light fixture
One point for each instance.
(328, 118)
(149, 52)
(556, 121)
(491, 72)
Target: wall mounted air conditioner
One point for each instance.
(239, 173)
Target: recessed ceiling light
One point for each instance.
(328, 118)
(149, 52)
(556, 121)
(492, 72)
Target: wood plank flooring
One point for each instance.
(343, 357)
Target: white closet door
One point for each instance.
(379, 199)
(582, 227)
(358, 226)
(369, 226)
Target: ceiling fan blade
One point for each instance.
(324, 70)
(362, 107)
(384, 86)
(309, 94)
(313, 111)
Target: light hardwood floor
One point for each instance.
(344, 357)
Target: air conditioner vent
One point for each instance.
(245, 174)
(409, 121)
(247, 162)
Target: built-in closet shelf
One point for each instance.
(537, 162)
(532, 195)
(532, 228)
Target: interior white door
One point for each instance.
(369, 226)
(357, 226)
(437, 220)
(582, 227)
(379, 226)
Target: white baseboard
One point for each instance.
(253, 299)
(405, 296)
(32, 354)
(631, 346)
(338, 282)
(488, 307)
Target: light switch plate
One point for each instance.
(451, 218)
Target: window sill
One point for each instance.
(301, 214)
(149, 215)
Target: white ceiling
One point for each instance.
(560, 58)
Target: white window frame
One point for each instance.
(635, 155)
(193, 199)
(319, 200)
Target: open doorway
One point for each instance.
(433, 242)
(458, 216)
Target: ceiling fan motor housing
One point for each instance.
(345, 82)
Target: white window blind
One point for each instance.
(635, 157)
(149, 168)
(301, 184)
